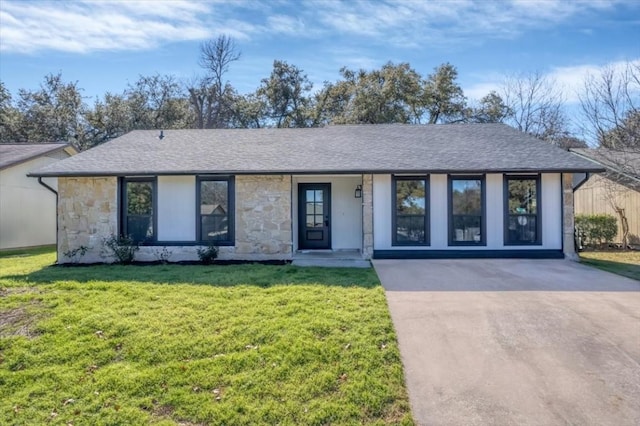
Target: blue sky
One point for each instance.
(106, 44)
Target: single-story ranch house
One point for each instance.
(387, 191)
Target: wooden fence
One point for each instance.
(593, 197)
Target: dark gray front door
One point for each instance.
(314, 216)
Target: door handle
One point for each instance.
(326, 221)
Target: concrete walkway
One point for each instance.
(516, 342)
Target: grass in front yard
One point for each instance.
(167, 344)
(50, 249)
(626, 263)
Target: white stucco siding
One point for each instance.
(551, 214)
(346, 210)
(551, 211)
(346, 214)
(176, 208)
(27, 209)
(494, 212)
(381, 212)
(438, 209)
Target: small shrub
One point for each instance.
(123, 248)
(596, 230)
(208, 254)
(162, 254)
(76, 254)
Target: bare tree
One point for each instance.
(611, 107)
(611, 110)
(202, 101)
(536, 106)
(216, 56)
(618, 185)
(211, 96)
(614, 194)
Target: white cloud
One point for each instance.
(480, 90)
(351, 58)
(86, 26)
(569, 79)
(405, 23)
(285, 24)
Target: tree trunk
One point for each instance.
(625, 227)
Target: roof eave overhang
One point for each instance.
(34, 156)
(309, 172)
(610, 168)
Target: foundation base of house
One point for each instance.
(468, 254)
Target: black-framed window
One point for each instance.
(215, 210)
(522, 210)
(138, 209)
(410, 210)
(467, 210)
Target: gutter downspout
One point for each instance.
(576, 238)
(293, 243)
(41, 182)
(562, 213)
(586, 177)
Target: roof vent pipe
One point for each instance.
(161, 136)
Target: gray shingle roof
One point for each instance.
(621, 161)
(622, 166)
(15, 153)
(332, 149)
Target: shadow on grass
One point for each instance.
(625, 269)
(214, 275)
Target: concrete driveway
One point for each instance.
(516, 342)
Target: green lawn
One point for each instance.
(626, 263)
(175, 344)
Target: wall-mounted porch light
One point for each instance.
(358, 193)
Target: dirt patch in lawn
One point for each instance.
(17, 322)
(10, 291)
(166, 412)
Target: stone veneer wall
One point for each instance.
(568, 224)
(87, 213)
(262, 224)
(263, 219)
(367, 216)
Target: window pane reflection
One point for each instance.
(467, 211)
(410, 211)
(214, 210)
(522, 211)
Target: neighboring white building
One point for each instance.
(27, 208)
